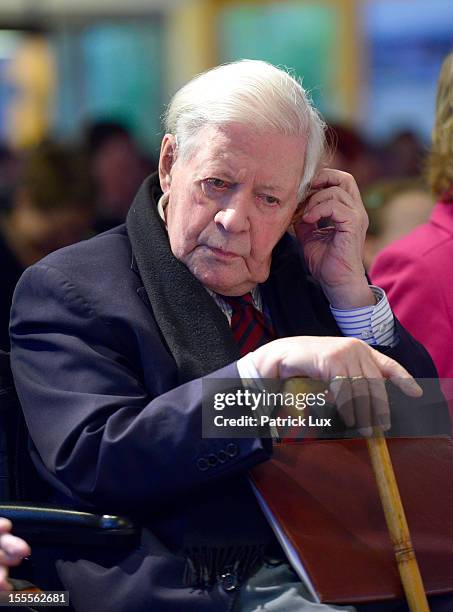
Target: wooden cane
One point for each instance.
(393, 509)
(396, 523)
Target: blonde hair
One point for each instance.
(253, 92)
(440, 159)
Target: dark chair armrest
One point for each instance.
(50, 524)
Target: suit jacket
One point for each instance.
(415, 271)
(114, 410)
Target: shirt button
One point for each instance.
(232, 449)
(212, 460)
(222, 456)
(366, 334)
(202, 464)
(229, 582)
(382, 327)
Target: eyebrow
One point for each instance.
(273, 188)
(216, 168)
(229, 175)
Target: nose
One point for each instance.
(234, 216)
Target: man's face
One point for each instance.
(230, 202)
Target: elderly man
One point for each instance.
(112, 339)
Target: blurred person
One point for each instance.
(9, 172)
(114, 338)
(118, 168)
(51, 207)
(350, 152)
(32, 75)
(395, 207)
(416, 270)
(404, 156)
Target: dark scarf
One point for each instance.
(194, 328)
(198, 336)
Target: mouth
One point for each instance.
(222, 253)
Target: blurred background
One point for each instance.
(89, 80)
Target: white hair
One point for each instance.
(251, 92)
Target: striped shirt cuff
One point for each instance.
(372, 324)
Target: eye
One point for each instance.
(269, 200)
(216, 183)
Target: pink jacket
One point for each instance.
(417, 273)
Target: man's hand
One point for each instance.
(332, 234)
(355, 372)
(12, 551)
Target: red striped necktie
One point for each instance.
(250, 327)
(251, 330)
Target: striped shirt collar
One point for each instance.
(226, 308)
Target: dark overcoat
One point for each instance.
(111, 341)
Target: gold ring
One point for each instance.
(339, 378)
(356, 378)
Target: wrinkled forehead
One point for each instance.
(242, 149)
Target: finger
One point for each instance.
(5, 585)
(371, 405)
(398, 375)
(336, 211)
(10, 560)
(362, 404)
(380, 408)
(335, 194)
(343, 390)
(328, 177)
(380, 403)
(5, 525)
(408, 386)
(13, 547)
(340, 387)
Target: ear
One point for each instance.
(166, 160)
